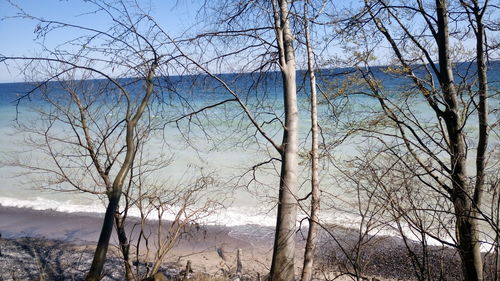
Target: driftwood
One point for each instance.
(221, 254)
(226, 269)
(239, 266)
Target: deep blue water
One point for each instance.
(247, 85)
(262, 92)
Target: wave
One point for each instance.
(43, 204)
(244, 221)
(230, 216)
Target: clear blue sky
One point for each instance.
(17, 35)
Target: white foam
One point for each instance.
(233, 216)
(229, 217)
(41, 204)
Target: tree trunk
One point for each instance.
(483, 105)
(483, 134)
(468, 240)
(282, 268)
(95, 271)
(283, 262)
(114, 193)
(124, 245)
(466, 223)
(310, 249)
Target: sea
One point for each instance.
(216, 151)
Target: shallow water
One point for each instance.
(219, 143)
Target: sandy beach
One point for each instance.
(60, 245)
(29, 231)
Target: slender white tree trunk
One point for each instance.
(307, 269)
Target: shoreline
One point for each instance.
(199, 245)
(83, 227)
(384, 257)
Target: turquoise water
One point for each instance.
(218, 142)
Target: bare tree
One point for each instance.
(166, 213)
(279, 32)
(438, 144)
(282, 267)
(103, 116)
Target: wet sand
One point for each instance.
(74, 227)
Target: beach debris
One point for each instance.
(238, 276)
(223, 266)
(239, 266)
(220, 252)
(186, 273)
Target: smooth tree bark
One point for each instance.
(482, 146)
(312, 235)
(283, 260)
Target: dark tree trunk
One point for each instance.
(114, 192)
(97, 266)
(124, 245)
(466, 223)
